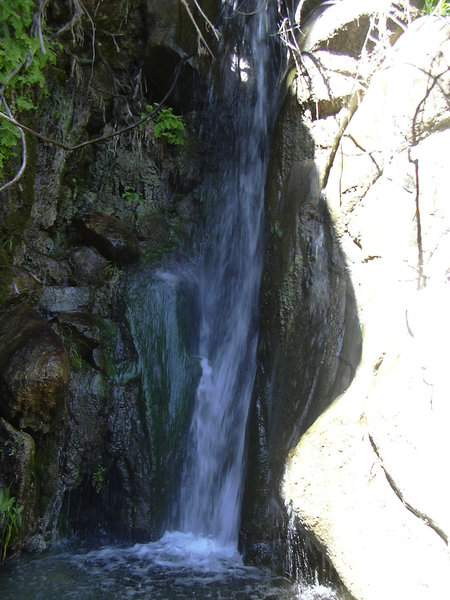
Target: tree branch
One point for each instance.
(23, 165)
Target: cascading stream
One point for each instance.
(230, 271)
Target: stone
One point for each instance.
(110, 237)
(83, 325)
(17, 285)
(88, 265)
(34, 370)
(56, 299)
(17, 458)
(407, 100)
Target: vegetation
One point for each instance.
(9, 522)
(98, 478)
(168, 125)
(24, 53)
(131, 196)
(437, 7)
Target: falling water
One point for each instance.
(210, 494)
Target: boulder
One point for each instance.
(56, 299)
(88, 265)
(110, 237)
(34, 370)
(17, 285)
(364, 482)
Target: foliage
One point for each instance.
(9, 522)
(75, 357)
(24, 52)
(98, 478)
(168, 125)
(439, 7)
(132, 196)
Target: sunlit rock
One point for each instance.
(364, 481)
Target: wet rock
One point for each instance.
(88, 265)
(86, 326)
(17, 457)
(17, 285)
(34, 370)
(309, 341)
(110, 237)
(65, 299)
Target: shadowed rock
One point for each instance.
(110, 237)
(34, 370)
(16, 285)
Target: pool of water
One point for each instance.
(177, 567)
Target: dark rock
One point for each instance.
(88, 265)
(110, 237)
(34, 370)
(65, 299)
(82, 325)
(17, 285)
(16, 472)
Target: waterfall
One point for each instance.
(229, 277)
(198, 436)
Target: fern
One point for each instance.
(169, 126)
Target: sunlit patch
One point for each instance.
(241, 66)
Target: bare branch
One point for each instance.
(201, 39)
(208, 22)
(23, 165)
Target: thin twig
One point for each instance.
(23, 165)
(208, 22)
(201, 39)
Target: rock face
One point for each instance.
(74, 418)
(363, 482)
(309, 341)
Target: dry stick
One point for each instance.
(201, 39)
(208, 22)
(100, 139)
(93, 37)
(23, 165)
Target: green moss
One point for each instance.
(289, 293)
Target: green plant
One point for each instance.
(113, 272)
(437, 7)
(132, 196)
(24, 53)
(75, 357)
(9, 522)
(169, 126)
(98, 478)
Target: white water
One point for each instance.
(210, 494)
